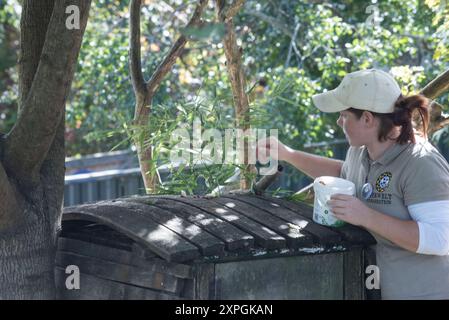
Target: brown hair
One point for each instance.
(405, 109)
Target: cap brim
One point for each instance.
(328, 102)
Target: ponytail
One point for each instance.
(405, 109)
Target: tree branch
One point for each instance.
(437, 86)
(166, 65)
(282, 27)
(52, 178)
(234, 63)
(28, 143)
(270, 20)
(441, 123)
(142, 111)
(135, 61)
(293, 45)
(433, 90)
(34, 22)
(144, 92)
(238, 80)
(234, 7)
(436, 121)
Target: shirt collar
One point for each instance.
(389, 155)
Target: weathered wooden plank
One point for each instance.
(207, 243)
(204, 282)
(88, 231)
(188, 290)
(94, 288)
(141, 251)
(349, 232)
(295, 238)
(321, 234)
(153, 264)
(120, 272)
(164, 242)
(95, 250)
(353, 275)
(263, 236)
(92, 238)
(234, 239)
(317, 276)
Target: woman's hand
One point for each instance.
(350, 209)
(270, 147)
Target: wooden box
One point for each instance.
(232, 247)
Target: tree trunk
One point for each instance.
(27, 259)
(32, 154)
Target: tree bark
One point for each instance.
(237, 78)
(34, 20)
(32, 153)
(145, 91)
(433, 90)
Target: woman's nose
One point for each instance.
(339, 123)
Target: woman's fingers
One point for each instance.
(338, 207)
(336, 203)
(339, 196)
(338, 211)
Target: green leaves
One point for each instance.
(9, 36)
(192, 177)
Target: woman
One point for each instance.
(402, 182)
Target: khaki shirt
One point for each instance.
(404, 175)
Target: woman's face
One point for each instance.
(355, 130)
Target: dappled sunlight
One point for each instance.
(177, 224)
(228, 217)
(294, 233)
(203, 219)
(159, 235)
(267, 229)
(209, 221)
(193, 230)
(220, 210)
(230, 204)
(231, 217)
(300, 223)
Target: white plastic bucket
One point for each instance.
(324, 187)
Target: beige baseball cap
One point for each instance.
(372, 90)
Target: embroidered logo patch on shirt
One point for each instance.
(383, 181)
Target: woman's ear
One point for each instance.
(368, 119)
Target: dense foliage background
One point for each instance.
(291, 50)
